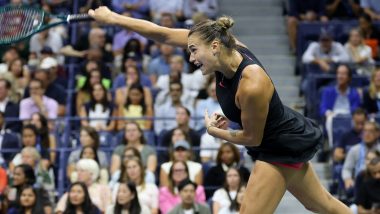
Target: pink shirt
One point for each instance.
(28, 107)
(168, 201)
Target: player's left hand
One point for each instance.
(216, 120)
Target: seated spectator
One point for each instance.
(121, 174)
(11, 53)
(342, 9)
(29, 138)
(365, 174)
(228, 156)
(8, 141)
(299, 11)
(178, 134)
(9, 108)
(38, 102)
(352, 137)
(89, 152)
(147, 192)
(86, 88)
(181, 152)
(355, 159)
(135, 107)
(226, 198)
(169, 196)
(160, 65)
(368, 197)
(134, 137)
(23, 175)
(360, 53)
(371, 95)
(187, 191)
(127, 201)
(88, 137)
(88, 174)
(325, 52)
(19, 77)
(339, 99)
(31, 201)
(84, 75)
(98, 107)
(168, 108)
(370, 34)
(44, 38)
(46, 138)
(158, 7)
(132, 76)
(207, 7)
(79, 200)
(372, 8)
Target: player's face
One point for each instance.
(201, 55)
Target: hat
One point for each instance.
(186, 182)
(46, 50)
(48, 63)
(181, 144)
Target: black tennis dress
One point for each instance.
(289, 137)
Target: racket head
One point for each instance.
(19, 22)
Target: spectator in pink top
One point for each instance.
(169, 196)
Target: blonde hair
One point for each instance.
(32, 150)
(372, 87)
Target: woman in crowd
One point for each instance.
(88, 137)
(98, 110)
(371, 95)
(127, 201)
(135, 106)
(226, 197)
(134, 137)
(30, 201)
(228, 156)
(88, 173)
(169, 196)
(79, 200)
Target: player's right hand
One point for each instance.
(102, 14)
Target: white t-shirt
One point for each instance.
(221, 197)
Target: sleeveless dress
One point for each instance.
(289, 137)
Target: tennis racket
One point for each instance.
(21, 22)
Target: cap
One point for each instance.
(46, 50)
(48, 63)
(181, 144)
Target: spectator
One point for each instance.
(48, 38)
(30, 201)
(369, 193)
(226, 197)
(147, 192)
(56, 72)
(10, 54)
(47, 139)
(7, 141)
(121, 174)
(187, 190)
(360, 53)
(228, 156)
(160, 65)
(371, 95)
(158, 7)
(325, 52)
(88, 173)
(370, 34)
(365, 174)
(19, 77)
(85, 79)
(372, 8)
(89, 152)
(351, 137)
(355, 160)
(207, 7)
(168, 109)
(88, 137)
(127, 200)
(181, 152)
(133, 76)
(136, 106)
(38, 102)
(98, 110)
(339, 99)
(337, 9)
(79, 200)
(307, 11)
(177, 134)
(134, 137)
(169, 196)
(9, 108)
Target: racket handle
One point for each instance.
(79, 18)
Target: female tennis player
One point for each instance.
(281, 140)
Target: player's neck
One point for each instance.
(230, 63)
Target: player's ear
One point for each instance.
(215, 47)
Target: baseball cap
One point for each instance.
(48, 63)
(46, 50)
(181, 144)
